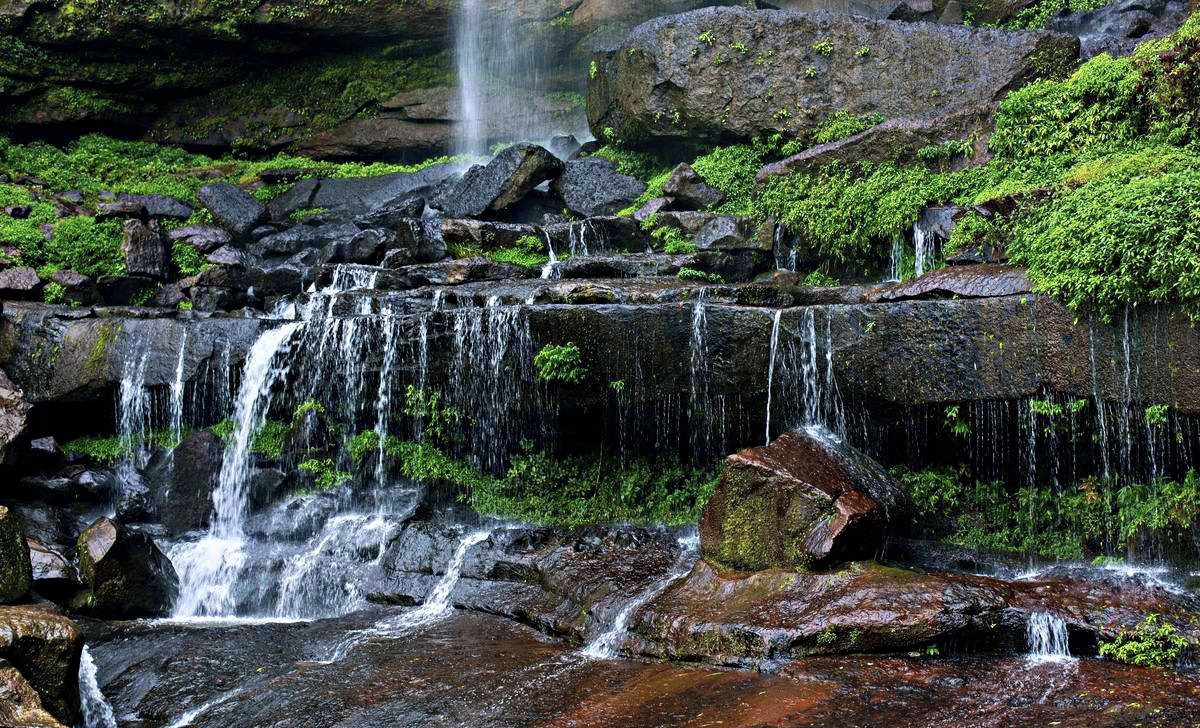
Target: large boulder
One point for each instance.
(125, 572)
(961, 281)
(16, 576)
(687, 190)
(500, 183)
(593, 186)
(806, 500)
(44, 646)
(232, 208)
(182, 480)
(722, 73)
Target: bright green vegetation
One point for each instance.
(1104, 166)
(307, 407)
(691, 274)
(326, 476)
(1037, 15)
(439, 422)
(305, 213)
(1154, 642)
(566, 490)
(1085, 520)
(109, 449)
(363, 444)
(267, 441)
(560, 363)
(96, 163)
(529, 251)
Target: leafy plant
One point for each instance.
(691, 274)
(326, 475)
(439, 422)
(1154, 642)
(560, 363)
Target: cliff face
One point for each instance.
(347, 78)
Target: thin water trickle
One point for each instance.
(177, 390)
(97, 713)
(775, 321)
(605, 645)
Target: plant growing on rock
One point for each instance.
(560, 363)
(1154, 642)
(325, 474)
(699, 276)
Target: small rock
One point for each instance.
(162, 207)
(147, 250)
(233, 209)
(53, 574)
(593, 186)
(19, 283)
(690, 191)
(653, 207)
(121, 209)
(204, 238)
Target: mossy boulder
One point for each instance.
(125, 572)
(718, 74)
(44, 645)
(806, 500)
(16, 573)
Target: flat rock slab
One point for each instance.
(965, 281)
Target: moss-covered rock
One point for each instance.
(16, 576)
(125, 572)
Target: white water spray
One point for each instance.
(97, 713)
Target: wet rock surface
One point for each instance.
(16, 576)
(125, 572)
(478, 671)
(976, 281)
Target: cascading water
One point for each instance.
(177, 390)
(97, 713)
(775, 321)
(925, 248)
(134, 415)
(208, 567)
(1046, 635)
(605, 645)
(800, 370)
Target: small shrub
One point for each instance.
(326, 475)
(363, 444)
(701, 276)
(1154, 642)
(560, 363)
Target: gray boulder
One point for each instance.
(204, 238)
(1118, 27)
(125, 572)
(232, 208)
(19, 283)
(722, 73)
(732, 233)
(503, 182)
(147, 250)
(593, 186)
(182, 480)
(14, 411)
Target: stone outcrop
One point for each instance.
(592, 186)
(806, 500)
(20, 704)
(182, 479)
(13, 413)
(16, 576)
(975, 281)
(232, 208)
(125, 573)
(723, 73)
(501, 183)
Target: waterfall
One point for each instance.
(706, 410)
(134, 423)
(1046, 635)
(771, 366)
(177, 390)
(499, 60)
(209, 567)
(550, 270)
(925, 246)
(97, 713)
(604, 646)
(897, 259)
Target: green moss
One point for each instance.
(307, 212)
(307, 407)
(529, 252)
(186, 258)
(363, 444)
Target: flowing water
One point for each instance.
(1046, 635)
(97, 713)
(605, 645)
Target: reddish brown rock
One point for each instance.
(960, 281)
(44, 646)
(806, 500)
